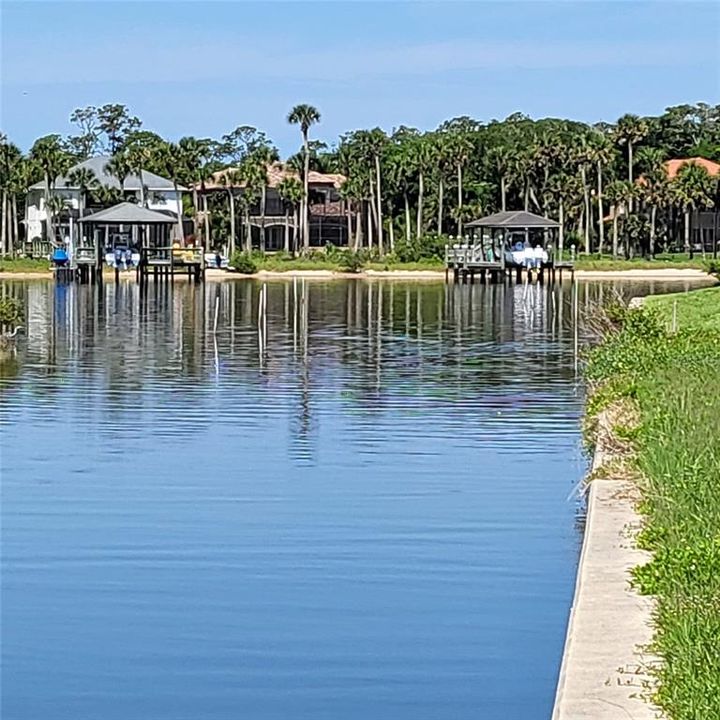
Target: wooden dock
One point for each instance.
(166, 262)
(471, 260)
(160, 264)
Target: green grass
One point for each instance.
(699, 308)
(317, 261)
(660, 262)
(674, 380)
(23, 265)
(273, 264)
(419, 266)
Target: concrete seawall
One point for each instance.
(604, 673)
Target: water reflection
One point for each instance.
(427, 341)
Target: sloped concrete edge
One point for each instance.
(605, 668)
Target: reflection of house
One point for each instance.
(159, 195)
(327, 210)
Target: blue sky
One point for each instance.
(202, 68)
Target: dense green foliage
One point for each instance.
(406, 189)
(662, 261)
(674, 380)
(243, 262)
(24, 265)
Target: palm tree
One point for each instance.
(654, 185)
(582, 154)
(601, 154)
(291, 191)
(195, 155)
(630, 130)
(305, 116)
(229, 179)
(262, 157)
(376, 142)
(50, 157)
(13, 180)
(55, 206)
(403, 169)
(620, 193)
(169, 159)
(254, 179)
(119, 167)
(85, 180)
(501, 157)
(444, 163)
(692, 189)
(459, 150)
(424, 157)
(141, 149)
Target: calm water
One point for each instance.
(362, 508)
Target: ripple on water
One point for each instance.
(361, 511)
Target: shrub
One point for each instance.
(712, 267)
(429, 247)
(352, 261)
(244, 263)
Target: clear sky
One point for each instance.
(202, 68)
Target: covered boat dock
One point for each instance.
(151, 233)
(489, 252)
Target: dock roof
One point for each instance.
(129, 214)
(513, 220)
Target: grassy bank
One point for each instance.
(673, 379)
(24, 265)
(345, 261)
(338, 260)
(679, 261)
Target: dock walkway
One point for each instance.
(467, 261)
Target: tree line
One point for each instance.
(406, 191)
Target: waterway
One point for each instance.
(287, 501)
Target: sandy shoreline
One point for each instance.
(220, 275)
(649, 274)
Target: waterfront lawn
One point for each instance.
(667, 261)
(24, 265)
(338, 261)
(698, 309)
(674, 380)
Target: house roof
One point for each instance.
(276, 173)
(126, 213)
(672, 167)
(96, 165)
(513, 219)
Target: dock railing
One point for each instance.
(463, 255)
(85, 255)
